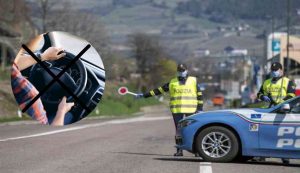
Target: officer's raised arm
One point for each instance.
(157, 91)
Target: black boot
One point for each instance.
(179, 152)
(285, 161)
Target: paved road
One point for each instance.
(137, 145)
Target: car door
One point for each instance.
(278, 132)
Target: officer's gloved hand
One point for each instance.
(266, 99)
(139, 95)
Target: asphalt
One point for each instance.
(135, 145)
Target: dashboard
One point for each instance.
(94, 89)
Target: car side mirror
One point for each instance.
(285, 108)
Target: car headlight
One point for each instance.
(186, 122)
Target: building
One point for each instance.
(230, 51)
(201, 53)
(277, 51)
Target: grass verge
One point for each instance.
(4, 75)
(111, 104)
(12, 119)
(116, 105)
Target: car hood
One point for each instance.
(244, 111)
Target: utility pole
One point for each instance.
(272, 32)
(273, 28)
(288, 38)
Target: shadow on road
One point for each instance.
(142, 154)
(180, 159)
(267, 163)
(185, 159)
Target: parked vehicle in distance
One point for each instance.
(218, 100)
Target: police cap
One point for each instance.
(275, 66)
(181, 67)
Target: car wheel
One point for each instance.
(217, 144)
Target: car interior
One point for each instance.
(85, 79)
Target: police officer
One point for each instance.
(277, 89)
(185, 96)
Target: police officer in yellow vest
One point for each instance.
(277, 89)
(185, 96)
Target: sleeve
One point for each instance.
(261, 92)
(199, 98)
(24, 92)
(291, 90)
(157, 91)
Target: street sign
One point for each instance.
(276, 45)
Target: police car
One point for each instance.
(226, 135)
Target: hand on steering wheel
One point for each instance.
(52, 54)
(39, 77)
(65, 106)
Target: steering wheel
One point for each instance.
(40, 78)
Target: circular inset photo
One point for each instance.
(58, 78)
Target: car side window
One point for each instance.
(295, 106)
(296, 109)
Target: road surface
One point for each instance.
(142, 144)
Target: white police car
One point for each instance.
(224, 135)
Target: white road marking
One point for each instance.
(205, 167)
(123, 121)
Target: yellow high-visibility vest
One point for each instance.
(183, 96)
(277, 91)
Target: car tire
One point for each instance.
(217, 144)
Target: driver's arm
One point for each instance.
(62, 109)
(24, 92)
(24, 60)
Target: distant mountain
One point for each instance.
(187, 25)
(237, 9)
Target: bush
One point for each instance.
(5, 75)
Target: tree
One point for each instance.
(45, 6)
(146, 52)
(151, 60)
(61, 16)
(15, 27)
(166, 69)
(119, 67)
